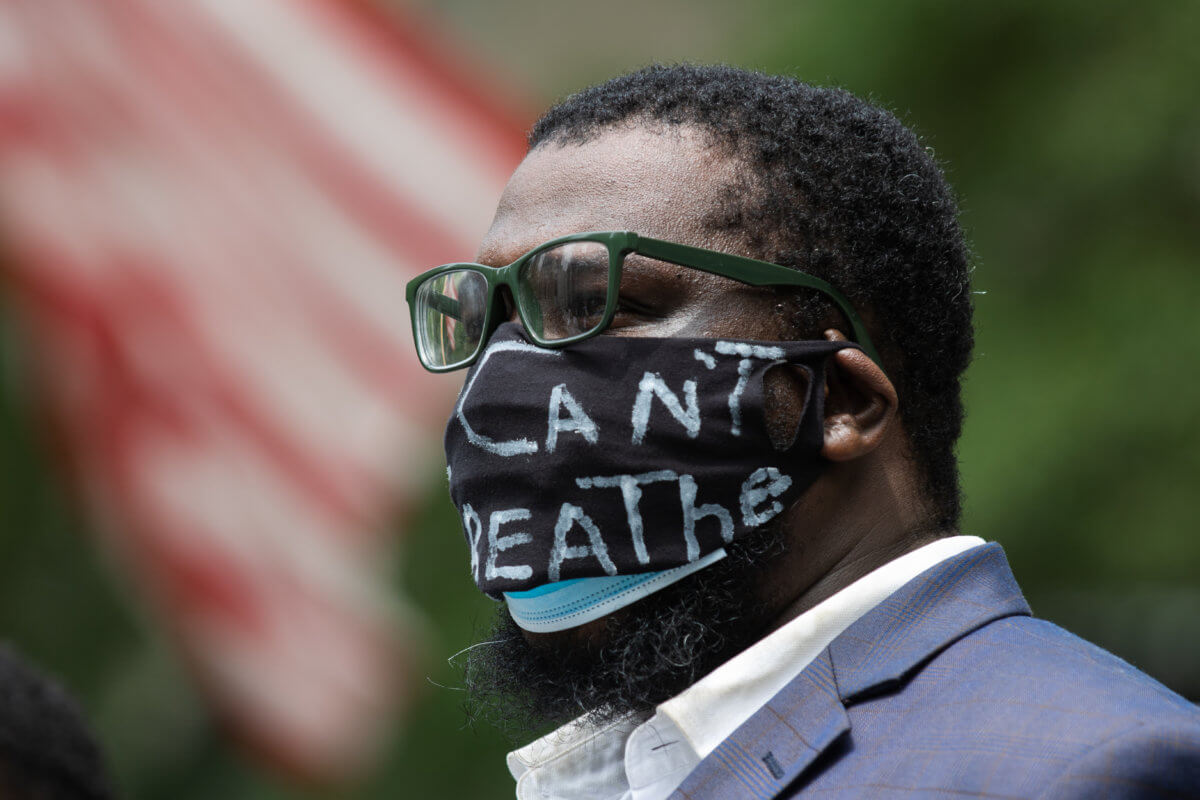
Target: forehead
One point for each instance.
(666, 182)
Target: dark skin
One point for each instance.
(866, 508)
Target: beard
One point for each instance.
(629, 661)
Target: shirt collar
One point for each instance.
(578, 759)
(711, 709)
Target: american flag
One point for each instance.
(209, 210)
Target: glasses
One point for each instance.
(567, 290)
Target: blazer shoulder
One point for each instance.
(1150, 761)
(1018, 708)
(1036, 659)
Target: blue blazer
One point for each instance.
(950, 689)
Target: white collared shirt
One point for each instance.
(632, 759)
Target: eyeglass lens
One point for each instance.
(450, 311)
(562, 292)
(564, 289)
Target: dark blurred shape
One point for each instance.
(47, 751)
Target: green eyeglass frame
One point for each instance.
(620, 244)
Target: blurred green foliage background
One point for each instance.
(1071, 131)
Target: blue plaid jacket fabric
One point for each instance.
(951, 689)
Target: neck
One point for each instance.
(853, 521)
(855, 564)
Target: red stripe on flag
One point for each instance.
(141, 303)
(226, 73)
(407, 44)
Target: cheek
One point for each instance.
(726, 309)
(784, 390)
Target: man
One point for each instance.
(707, 461)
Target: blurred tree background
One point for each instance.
(1071, 131)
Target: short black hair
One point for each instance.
(839, 188)
(46, 750)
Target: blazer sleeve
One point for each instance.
(1150, 761)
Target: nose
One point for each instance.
(505, 309)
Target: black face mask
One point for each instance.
(622, 455)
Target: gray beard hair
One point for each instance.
(643, 655)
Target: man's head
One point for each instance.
(814, 179)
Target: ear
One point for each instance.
(860, 403)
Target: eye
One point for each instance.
(585, 308)
(588, 302)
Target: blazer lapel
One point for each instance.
(876, 653)
(925, 616)
(776, 743)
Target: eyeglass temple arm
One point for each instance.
(445, 304)
(756, 273)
